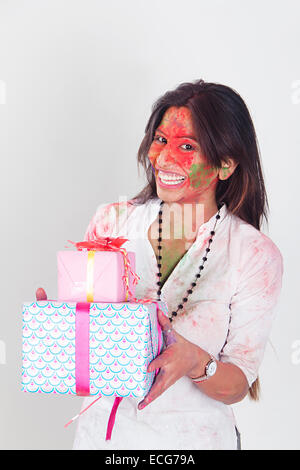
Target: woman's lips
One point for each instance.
(169, 172)
(168, 179)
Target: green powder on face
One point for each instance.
(199, 175)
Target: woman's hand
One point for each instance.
(40, 294)
(179, 358)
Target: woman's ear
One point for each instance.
(227, 169)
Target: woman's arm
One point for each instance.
(183, 358)
(252, 313)
(228, 385)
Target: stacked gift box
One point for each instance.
(96, 339)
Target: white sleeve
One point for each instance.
(102, 223)
(252, 309)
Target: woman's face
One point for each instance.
(181, 171)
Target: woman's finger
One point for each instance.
(163, 320)
(40, 294)
(165, 358)
(158, 362)
(168, 333)
(170, 337)
(158, 387)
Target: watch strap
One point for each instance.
(205, 376)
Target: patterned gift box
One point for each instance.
(108, 354)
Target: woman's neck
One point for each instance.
(184, 218)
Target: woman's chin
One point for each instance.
(169, 195)
(172, 194)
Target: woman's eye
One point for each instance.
(158, 137)
(188, 145)
(163, 140)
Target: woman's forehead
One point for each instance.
(177, 117)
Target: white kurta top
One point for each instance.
(229, 314)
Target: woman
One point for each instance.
(195, 231)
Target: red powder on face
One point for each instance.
(175, 149)
(170, 140)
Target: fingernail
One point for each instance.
(141, 406)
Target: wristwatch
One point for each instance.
(210, 370)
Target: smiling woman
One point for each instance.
(195, 229)
(178, 162)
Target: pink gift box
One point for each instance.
(108, 270)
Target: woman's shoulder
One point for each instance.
(121, 209)
(111, 217)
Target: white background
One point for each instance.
(77, 81)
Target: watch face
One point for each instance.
(211, 368)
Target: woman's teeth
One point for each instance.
(170, 179)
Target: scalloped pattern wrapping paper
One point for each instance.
(123, 340)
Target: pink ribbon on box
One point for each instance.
(82, 348)
(102, 243)
(82, 373)
(117, 400)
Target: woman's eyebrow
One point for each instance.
(186, 137)
(179, 136)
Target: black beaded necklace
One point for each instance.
(198, 275)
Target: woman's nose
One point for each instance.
(166, 156)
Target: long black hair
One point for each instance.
(223, 128)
